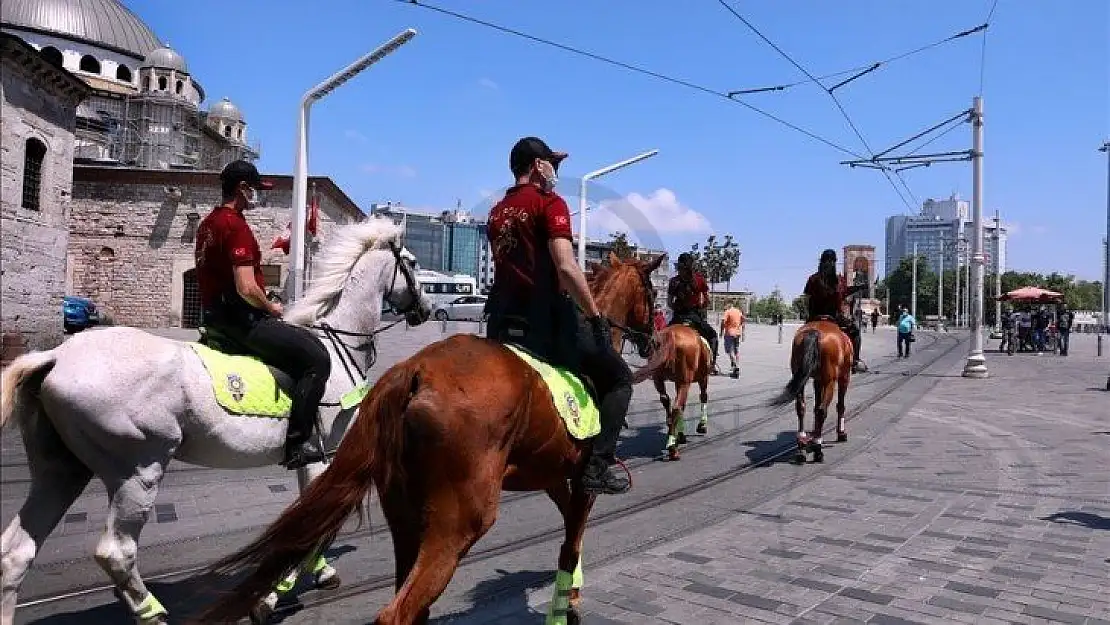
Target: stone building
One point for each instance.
(37, 118)
(132, 239)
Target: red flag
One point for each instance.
(313, 214)
(281, 242)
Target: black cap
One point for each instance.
(529, 149)
(828, 255)
(244, 171)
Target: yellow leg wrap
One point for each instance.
(670, 441)
(576, 580)
(680, 424)
(560, 603)
(319, 565)
(287, 583)
(705, 413)
(150, 608)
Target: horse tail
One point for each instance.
(371, 453)
(17, 381)
(665, 349)
(811, 361)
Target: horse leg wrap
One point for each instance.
(704, 413)
(576, 579)
(560, 602)
(680, 423)
(150, 609)
(671, 441)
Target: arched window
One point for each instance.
(89, 64)
(227, 131)
(179, 87)
(239, 133)
(123, 73)
(161, 83)
(33, 157)
(53, 55)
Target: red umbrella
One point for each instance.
(1031, 294)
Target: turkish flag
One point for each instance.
(281, 242)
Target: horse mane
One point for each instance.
(345, 246)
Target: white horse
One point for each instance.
(150, 399)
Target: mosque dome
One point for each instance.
(224, 109)
(166, 58)
(105, 24)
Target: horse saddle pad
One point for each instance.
(244, 384)
(574, 403)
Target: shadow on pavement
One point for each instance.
(509, 591)
(1084, 519)
(759, 451)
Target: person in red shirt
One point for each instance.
(826, 295)
(532, 302)
(688, 297)
(659, 318)
(234, 303)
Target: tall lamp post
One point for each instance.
(582, 198)
(976, 365)
(1106, 246)
(295, 280)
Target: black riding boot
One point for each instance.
(599, 476)
(300, 447)
(858, 366)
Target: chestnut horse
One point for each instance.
(823, 352)
(683, 357)
(440, 435)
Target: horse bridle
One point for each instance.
(343, 350)
(649, 297)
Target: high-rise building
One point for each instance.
(942, 228)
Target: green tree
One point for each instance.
(799, 306)
(766, 307)
(717, 260)
(618, 243)
(899, 284)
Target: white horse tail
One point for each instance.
(27, 368)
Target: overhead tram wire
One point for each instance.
(836, 100)
(633, 68)
(983, 53)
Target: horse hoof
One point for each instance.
(818, 456)
(157, 620)
(702, 428)
(328, 579)
(572, 616)
(260, 614)
(800, 458)
(841, 437)
(681, 438)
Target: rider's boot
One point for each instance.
(300, 447)
(599, 477)
(714, 370)
(858, 366)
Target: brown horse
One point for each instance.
(440, 435)
(681, 356)
(823, 352)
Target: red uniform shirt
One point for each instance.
(520, 225)
(224, 241)
(687, 295)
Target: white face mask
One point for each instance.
(252, 197)
(547, 173)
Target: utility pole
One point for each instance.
(1106, 247)
(976, 365)
(959, 269)
(913, 288)
(940, 286)
(997, 270)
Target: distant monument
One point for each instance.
(859, 268)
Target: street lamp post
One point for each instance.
(1106, 246)
(582, 198)
(295, 279)
(976, 365)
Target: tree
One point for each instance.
(799, 306)
(618, 243)
(717, 260)
(899, 284)
(769, 306)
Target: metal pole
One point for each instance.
(997, 270)
(582, 198)
(295, 280)
(959, 269)
(913, 288)
(940, 286)
(976, 365)
(1106, 248)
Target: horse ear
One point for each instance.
(653, 265)
(613, 260)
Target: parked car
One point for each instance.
(465, 308)
(78, 313)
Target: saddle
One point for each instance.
(515, 333)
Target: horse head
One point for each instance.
(630, 298)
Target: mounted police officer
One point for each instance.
(826, 297)
(234, 303)
(532, 302)
(688, 297)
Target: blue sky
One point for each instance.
(432, 124)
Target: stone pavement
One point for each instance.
(988, 501)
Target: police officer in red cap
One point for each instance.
(532, 302)
(234, 303)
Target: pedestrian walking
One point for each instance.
(906, 324)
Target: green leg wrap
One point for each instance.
(680, 424)
(704, 413)
(288, 582)
(150, 608)
(670, 442)
(560, 603)
(576, 581)
(319, 565)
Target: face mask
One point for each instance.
(252, 197)
(547, 173)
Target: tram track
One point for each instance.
(759, 397)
